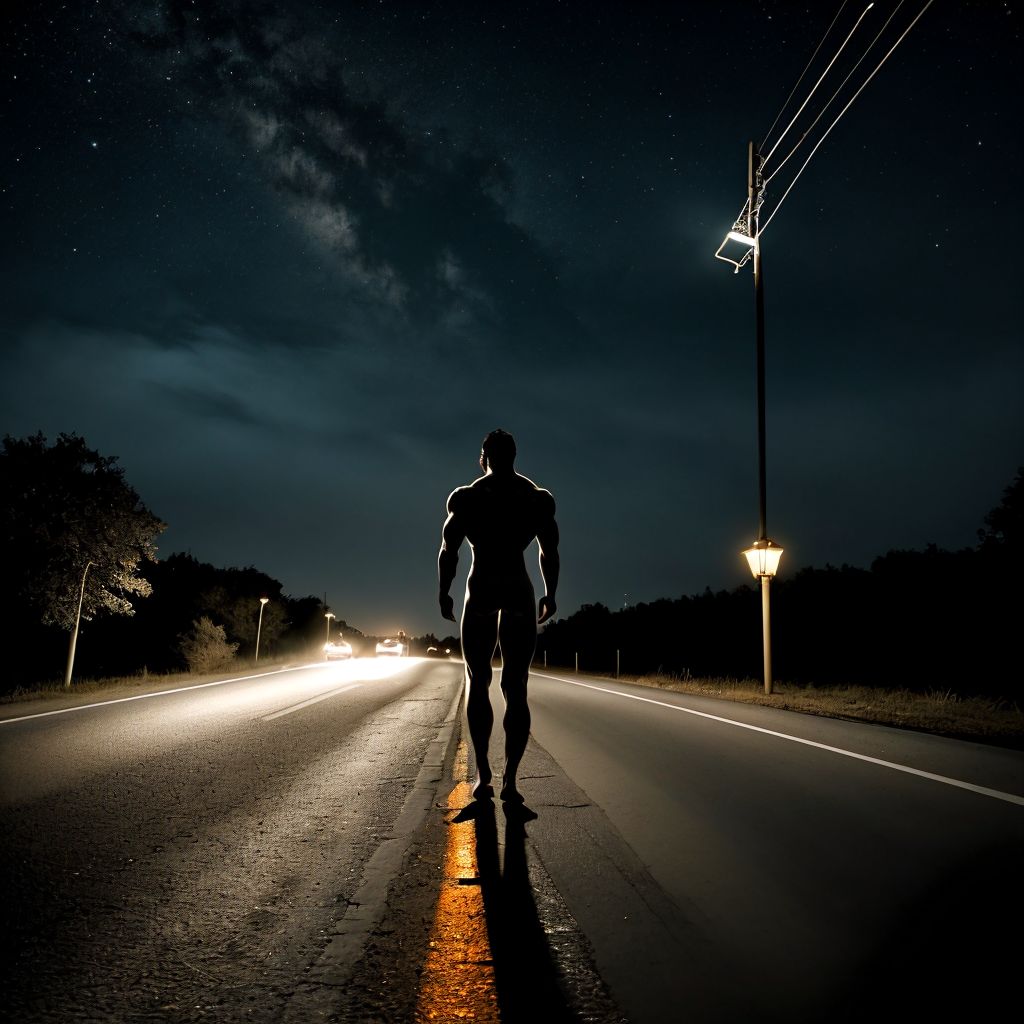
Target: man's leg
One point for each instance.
(479, 637)
(517, 634)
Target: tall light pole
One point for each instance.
(74, 632)
(259, 626)
(763, 557)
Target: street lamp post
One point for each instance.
(746, 232)
(74, 632)
(763, 557)
(259, 626)
(328, 616)
(763, 545)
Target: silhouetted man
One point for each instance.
(500, 513)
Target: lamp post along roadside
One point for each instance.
(74, 632)
(754, 192)
(746, 232)
(327, 617)
(259, 626)
(763, 557)
(768, 553)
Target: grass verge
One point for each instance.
(942, 712)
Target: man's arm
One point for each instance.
(550, 564)
(452, 536)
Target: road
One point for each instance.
(276, 848)
(183, 856)
(796, 868)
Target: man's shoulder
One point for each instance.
(459, 498)
(542, 499)
(488, 487)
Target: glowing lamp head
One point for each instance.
(264, 600)
(737, 247)
(763, 558)
(739, 236)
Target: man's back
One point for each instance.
(501, 514)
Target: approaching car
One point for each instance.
(391, 648)
(335, 649)
(439, 652)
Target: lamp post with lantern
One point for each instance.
(763, 556)
(743, 244)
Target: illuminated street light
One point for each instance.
(259, 626)
(328, 616)
(74, 632)
(738, 236)
(743, 244)
(763, 556)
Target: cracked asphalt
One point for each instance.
(215, 856)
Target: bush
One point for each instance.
(205, 647)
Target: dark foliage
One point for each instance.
(924, 620)
(72, 533)
(185, 590)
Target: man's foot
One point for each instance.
(518, 811)
(510, 794)
(476, 810)
(483, 791)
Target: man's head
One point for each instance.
(498, 451)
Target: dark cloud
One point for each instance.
(290, 263)
(410, 221)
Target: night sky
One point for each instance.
(290, 262)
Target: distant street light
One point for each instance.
(74, 632)
(259, 626)
(328, 616)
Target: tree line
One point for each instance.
(77, 544)
(921, 620)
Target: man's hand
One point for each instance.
(447, 606)
(547, 608)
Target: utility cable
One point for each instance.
(831, 99)
(841, 112)
(816, 84)
(801, 78)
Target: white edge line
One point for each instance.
(983, 791)
(156, 693)
(311, 700)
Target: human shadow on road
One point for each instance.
(526, 977)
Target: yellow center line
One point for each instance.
(457, 983)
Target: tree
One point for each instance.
(205, 647)
(1004, 525)
(63, 506)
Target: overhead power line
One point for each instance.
(843, 111)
